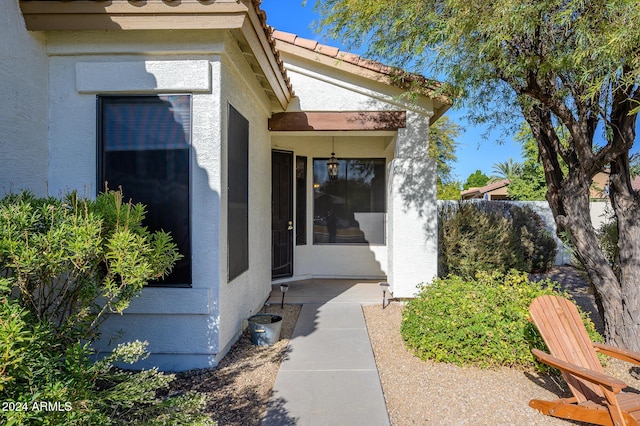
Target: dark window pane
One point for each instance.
(238, 183)
(301, 200)
(351, 208)
(144, 149)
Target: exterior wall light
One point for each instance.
(332, 164)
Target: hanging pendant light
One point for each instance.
(332, 164)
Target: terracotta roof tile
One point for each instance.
(351, 58)
(287, 37)
(268, 30)
(328, 50)
(400, 77)
(306, 43)
(487, 188)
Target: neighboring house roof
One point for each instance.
(492, 191)
(350, 62)
(498, 190)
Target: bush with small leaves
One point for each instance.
(492, 236)
(64, 265)
(481, 321)
(73, 261)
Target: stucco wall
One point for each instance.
(243, 296)
(335, 260)
(409, 256)
(186, 327)
(23, 110)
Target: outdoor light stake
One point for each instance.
(283, 289)
(384, 287)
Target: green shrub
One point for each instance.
(64, 265)
(481, 322)
(65, 255)
(492, 236)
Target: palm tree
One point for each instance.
(509, 169)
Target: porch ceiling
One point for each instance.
(337, 121)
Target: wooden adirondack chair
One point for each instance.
(597, 397)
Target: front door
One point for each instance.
(281, 214)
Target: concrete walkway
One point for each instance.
(329, 375)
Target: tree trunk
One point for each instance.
(574, 198)
(568, 197)
(629, 247)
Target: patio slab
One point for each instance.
(329, 375)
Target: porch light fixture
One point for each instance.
(283, 289)
(332, 164)
(384, 287)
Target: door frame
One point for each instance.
(290, 243)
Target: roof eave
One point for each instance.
(243, 17)
(370, 70)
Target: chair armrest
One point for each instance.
(623, 354)
(595, 377)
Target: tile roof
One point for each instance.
(398, 76)
(474, 192)
(268, 30)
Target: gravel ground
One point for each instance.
(446, 394)
(416, 392)
(238, 389)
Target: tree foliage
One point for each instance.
(569, 68)
(530, 185)
(509, 169)
(476, 179)
(449, 191)
(443, 146)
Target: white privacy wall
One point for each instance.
(185, 327)
(23, 110)
(409, 256)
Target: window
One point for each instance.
(351, 208)
(238, 184)
(301, 200)
(144, 148)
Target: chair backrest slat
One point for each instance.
(562, 329)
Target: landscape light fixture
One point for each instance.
(384, 287)
(332, 164)
(283, 289)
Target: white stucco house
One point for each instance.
(225, 128)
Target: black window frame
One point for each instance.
(301, 200)
(322, 213)
(185, 264)
(238, 129)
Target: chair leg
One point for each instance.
(567, 409)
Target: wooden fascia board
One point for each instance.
(266, 58)
(337, 121)
(126, 15)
